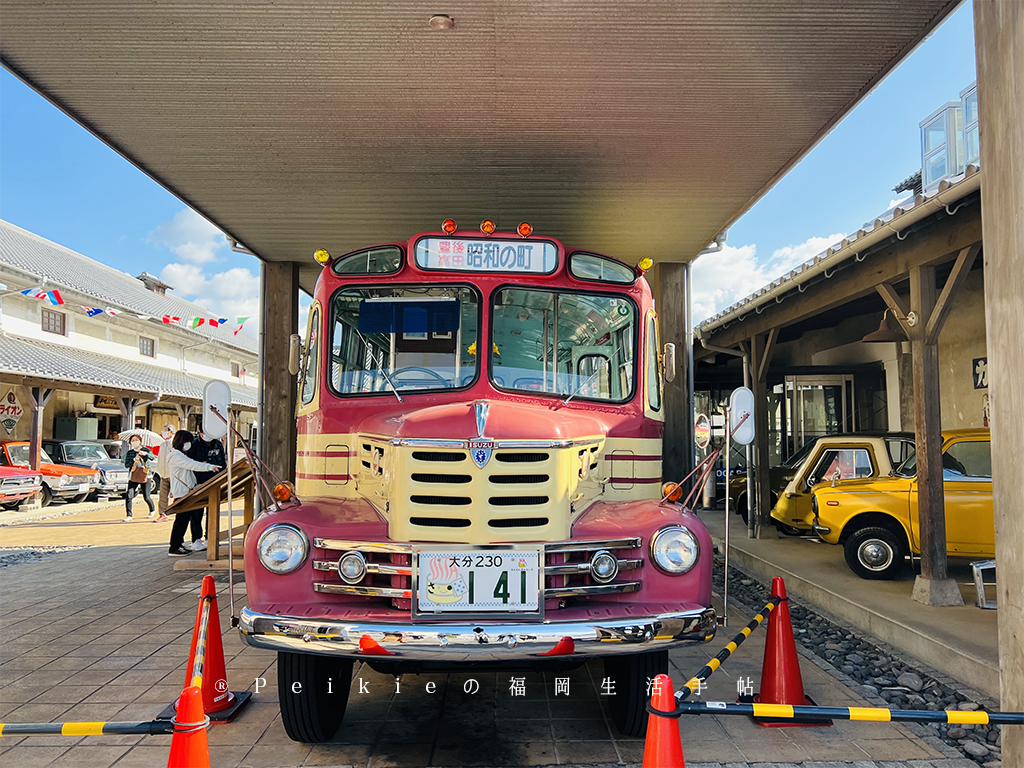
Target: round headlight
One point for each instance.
(674, 549)
(352, 567)
(64, 479)
(282, 548)
(604, 566)
(96, 477)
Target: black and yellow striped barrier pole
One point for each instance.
(693, 684)
(869, 714)
(86, 729)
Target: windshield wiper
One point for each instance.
(380, 368)
(581, 386)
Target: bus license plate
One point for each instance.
(478, 581)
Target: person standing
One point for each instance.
(163, 471)
(137, 460)
(212, 452)
(180, 470)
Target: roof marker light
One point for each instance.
(448, 226)
(525, 229)
(321, 255)
(644, 264)
(487, 226)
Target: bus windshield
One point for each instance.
(403, 338)
(568, 344)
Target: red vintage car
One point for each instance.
(16, 485)
(60, 481)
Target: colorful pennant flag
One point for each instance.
(197, 321)
(54, 298)
(241, 322)
(93, 311)
(111, 311)
(216, 322)
(170, 319)
(35, 293)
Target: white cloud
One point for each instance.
(190, 237)
(724, 278)
(232, 293)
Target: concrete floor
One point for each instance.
(961, 641)
(103, 634)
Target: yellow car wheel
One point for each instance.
(874, 553)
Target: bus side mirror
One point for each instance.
(294, 353)
(669, 362)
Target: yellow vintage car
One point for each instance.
(860, 455)
(876, 520)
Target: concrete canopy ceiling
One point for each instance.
(634, 128)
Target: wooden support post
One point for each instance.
(127, 407)
(999, 44)
(671, 305)
(279, 319)
(37, 399)
(761, 348)
(213, 524)
(933, 587)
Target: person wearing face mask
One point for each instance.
(163, 471)
(181, 471)
(137, 460)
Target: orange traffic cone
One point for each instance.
(781, 682)
(189, 747)
(663, 748)
(218, 701)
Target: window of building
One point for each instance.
(942, 145)
(235, 369)
(53, 322)
(147, 346)
(969, 102)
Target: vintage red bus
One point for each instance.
(480, 427)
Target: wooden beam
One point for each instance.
(964, 261)
(676, 458)
(279, 318)
(766, 355)
(37, 398)
(889, 264)
(999, 44)
(896, 304)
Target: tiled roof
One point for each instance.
(885, 225)
(38, 359)
(63, 268)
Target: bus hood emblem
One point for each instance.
(481, 450)
(481, 409)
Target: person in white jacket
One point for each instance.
(163, 471)
(180, 469)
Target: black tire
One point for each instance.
(875, 553)
(627, 707)
(789, 530)
(45, 497)
(313, 715)
(80, 498)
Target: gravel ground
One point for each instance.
(11, 556)
(56, 510)
(876, 671)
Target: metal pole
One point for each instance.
(688, 338)
(231, 523)
(751, 517)
(262, 382)
(725, 590)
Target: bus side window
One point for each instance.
(312, 359)
(653, 369)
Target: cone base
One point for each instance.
(222, 717)
(784, 722)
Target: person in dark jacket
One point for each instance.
(211, 452)
(137, 460)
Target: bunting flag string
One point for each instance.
(53, 297)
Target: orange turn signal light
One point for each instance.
(672, 491)
(525, 229)
(448, 226)
(284, 491)
(487, 226)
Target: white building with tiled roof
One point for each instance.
(125, 355)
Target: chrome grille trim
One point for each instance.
(597, 589)
(571, 569)
(385, 569)
(364, 546)
(576, 546)
(346, 589)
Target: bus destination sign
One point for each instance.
(485, 255)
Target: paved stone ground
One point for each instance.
(102, 634)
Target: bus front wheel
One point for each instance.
(629, 675)
(313, 692)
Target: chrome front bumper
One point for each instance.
(463, 641)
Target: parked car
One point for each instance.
(16, 485)
(115, 448)
(876, 520)
(857, 455)
(60, 481)
(91, 455)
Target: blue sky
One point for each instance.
(60, 182)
